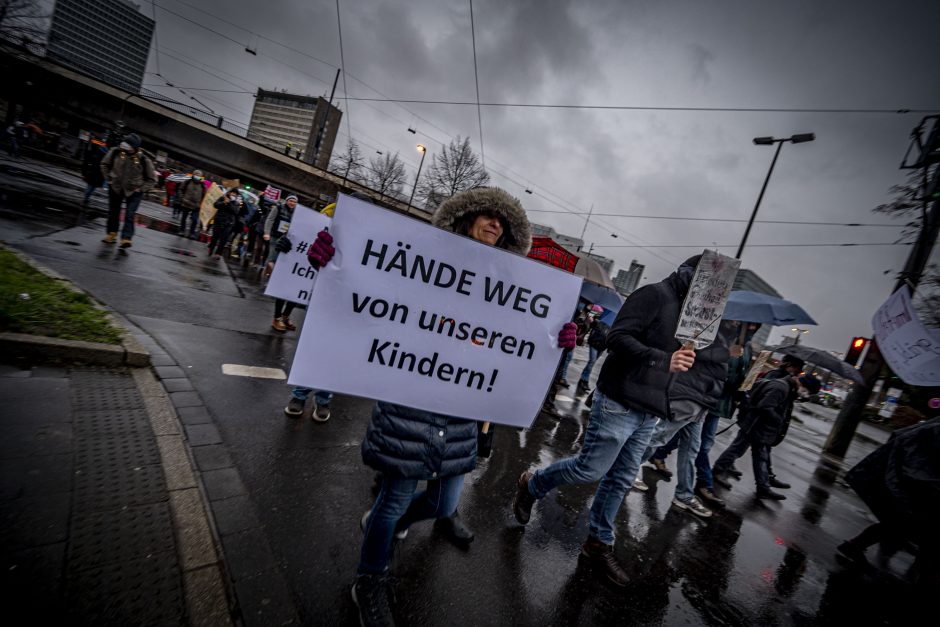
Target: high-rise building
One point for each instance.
(291, 124)
(628, 280)
(106, 39)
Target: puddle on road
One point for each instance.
(67, 242)
(180, 251)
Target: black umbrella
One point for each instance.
(820, 358)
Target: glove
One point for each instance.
(321, 251)
(283, 244)
(568, 337)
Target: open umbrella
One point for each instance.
(764, 309)
(822, 359)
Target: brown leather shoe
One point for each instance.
(287, 323)
(601, 557)
(277, 325)
(523, 501)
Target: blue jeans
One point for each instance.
(565, 361)
(397, 507)
(320, 396)
(760, 458)
(703, 467)
(687, 426)
(114, 212)
(593, 354)
(612, 452)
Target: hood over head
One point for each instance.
(681, 279)
(464, 206)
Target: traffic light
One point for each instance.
(855, 350)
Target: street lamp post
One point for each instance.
(767, 141)
(798, 331)
(424, 152)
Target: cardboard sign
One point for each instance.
(207, 209)
(272, 193)
(911, 349)
(705, 302)
(293, 277)
(755, 370)
(411, 314)
(230, 183)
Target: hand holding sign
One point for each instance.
(682, 360)
(321, 251)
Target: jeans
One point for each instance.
(593, 354)
(114, 212)
(193, 215)
(614, 442)
(397, 507)
(703, 467)
(320, 396)
(760, 459)
(89, 191)
(687, 426)
(565, 361)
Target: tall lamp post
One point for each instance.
(768, 141)
(424, 152)
(798, 331)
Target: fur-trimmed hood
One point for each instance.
(517, 236)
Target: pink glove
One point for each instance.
(568, 337)
(321, 251)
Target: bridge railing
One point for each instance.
(194, 111)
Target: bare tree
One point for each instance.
(386, 174)
(349, 163)
(22, 21)
(455, 169)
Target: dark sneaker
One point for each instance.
(601, 557)
(660, 467)
(776, 483)
(709, 498)
(370, 593)
(770, 494)
(694, 506)
(455, 530)
(523, 501)
(734, 472)
(295, 407)
(399, 535)
(321, 413)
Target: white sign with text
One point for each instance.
(911, 349)
(293, 276)
(411, 314)
(705, 302)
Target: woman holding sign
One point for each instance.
(409, 445)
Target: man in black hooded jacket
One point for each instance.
(631, 396)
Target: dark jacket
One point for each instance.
(597, 339)
(704, 382)
(91, 167)
(127, 172)
(641, 342)
(227, 210)
(768, 413)
(191, 193)
(418, 444)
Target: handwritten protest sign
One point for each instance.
(708, 294)
(207, 209)
(911, 349)
(759, 364)
(412, 314)
(230, 183)
(272, 193)
(293, 277)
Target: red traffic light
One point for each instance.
(855, 350)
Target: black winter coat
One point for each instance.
(641, 342)
(705, 381)
(228, 211)
(769, 411)
(416, 444)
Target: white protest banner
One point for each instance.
(272, 193)
(293, 277)
(411, 314)
(705, 302)
(911, 349)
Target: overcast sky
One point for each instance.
(799, 55)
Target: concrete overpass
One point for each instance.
(82, 101)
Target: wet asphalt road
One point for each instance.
(755, 563)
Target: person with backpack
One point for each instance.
(130, 174)
(597, 344)
(229, 209)
(189, 197)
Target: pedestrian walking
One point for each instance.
(631, 396)
(228, 209)
(189, 197)
(129, 173)
(12, 136)
(764, 425)
(597, 344)
(276, 225)
(91, 171)
(409, 445)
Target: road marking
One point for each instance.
(237, 370)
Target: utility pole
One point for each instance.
(843, 430)
(584, 230)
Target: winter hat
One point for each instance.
(811, 383)
(133, 140)
(517, 233)
(291, 196)
(197, 173)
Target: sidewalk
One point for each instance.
(102, 520)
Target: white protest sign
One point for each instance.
(293, 276)
(911, 349)
(411, 314)
(272, 193)
(705, 302)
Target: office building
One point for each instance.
(290, 124)
(107, 39)
(628, 280)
